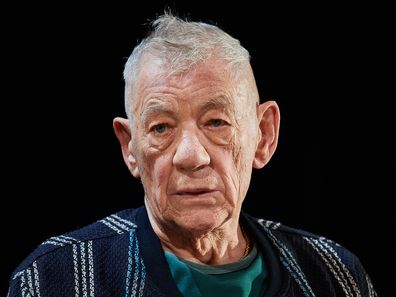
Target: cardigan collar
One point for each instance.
(158, 270)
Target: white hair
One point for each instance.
(181, 44)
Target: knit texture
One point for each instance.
(120, 255)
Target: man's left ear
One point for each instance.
(269, 118)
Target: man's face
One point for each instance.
(194, 137)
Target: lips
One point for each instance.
(194, 192)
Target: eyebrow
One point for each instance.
(220, 102)
(154, 107)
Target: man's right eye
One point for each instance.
(160, 128)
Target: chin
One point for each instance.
(200, 220)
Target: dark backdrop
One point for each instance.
(324, 65)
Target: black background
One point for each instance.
(327, 67)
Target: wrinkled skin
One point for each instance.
(195, 138)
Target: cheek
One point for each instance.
(155, 169)
(226, 140)
(161, 170)
(223, 136)
(228, 171)
(161, 143)
(239, 166)
(243, 143)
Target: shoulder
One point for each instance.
(277, 231)
(303, 242)
(314, 254)
(112, 226)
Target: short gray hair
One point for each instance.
(182, 44)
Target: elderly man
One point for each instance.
(195, 130)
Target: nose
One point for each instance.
(190, 154)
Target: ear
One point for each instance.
(123, 132)
(269, 118)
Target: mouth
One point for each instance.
(195, 193)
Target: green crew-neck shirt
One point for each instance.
(244, 278)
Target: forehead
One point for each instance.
(157, 79)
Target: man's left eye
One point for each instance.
(217, 123)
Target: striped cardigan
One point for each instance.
(120, 255)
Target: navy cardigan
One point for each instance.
(120, 255)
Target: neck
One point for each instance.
(221, 245)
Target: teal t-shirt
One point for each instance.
(245, 278)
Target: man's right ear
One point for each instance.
(123, 132)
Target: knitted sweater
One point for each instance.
(120, 255)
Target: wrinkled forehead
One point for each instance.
(155, 73)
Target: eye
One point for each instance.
(217, 123)
(160, 128)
